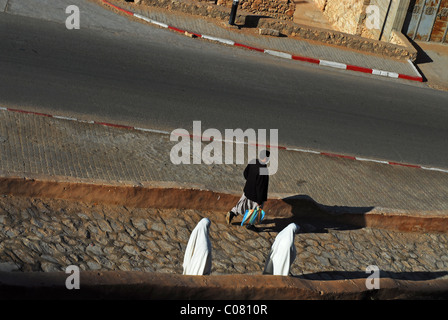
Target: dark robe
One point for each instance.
(256, 187)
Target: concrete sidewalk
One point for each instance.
(34, 145)
(433, 62)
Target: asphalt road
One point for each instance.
(155, 78)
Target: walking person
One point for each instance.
(283, 252)
(255, 191)
(198, 254)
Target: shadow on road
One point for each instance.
(343, 275)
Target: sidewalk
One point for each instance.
(37, 145)
(433, 63)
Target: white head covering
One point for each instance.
(283, 252)
(198, 254)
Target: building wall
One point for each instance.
(320, 4)
(344, 14)
(350, 16)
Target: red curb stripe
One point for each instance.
(176, 29)
(359, 69)
(30, 112)
(404, 164)
(113, 125)
(406, 77)
(202, 138)
(248, 47)
(184, 31)
(118, 8)
(306, 59)
(337, 155)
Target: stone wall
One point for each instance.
(279, 9)
(344, 14)
(399, 39)
(342, 39)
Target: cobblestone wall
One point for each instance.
(280, 9)
(42, 235)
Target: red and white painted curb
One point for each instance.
(280, 54)
(203, 138)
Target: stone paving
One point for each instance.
(49, 235)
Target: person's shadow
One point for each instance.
(313, 217)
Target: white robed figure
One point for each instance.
(198, 254)
(283, 252)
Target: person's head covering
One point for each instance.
(283, 252)
(264, 154)
(198, 254)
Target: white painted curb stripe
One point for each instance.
(379, 72)
(303, 150)
(160, 24)
(278, 54)
(151, 130)
(385, 73)
(371, 160)
(229, 42)
(332, 64)
(65, 118)
(434, 169)
(393, 75)
(415, 68)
